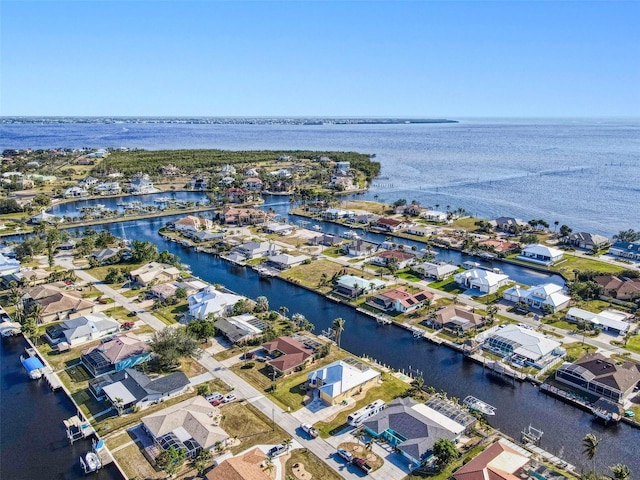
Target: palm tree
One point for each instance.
(590, 447)
(283, 311)
(491, 311)
(269, 466)
(620, 472)
(287, 443)
(359, 434)
(338, 328)
(418, 382)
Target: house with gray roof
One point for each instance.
(77, 331)
(596, 374)
(130, 388)
(412, 428)
(628, 250)
(586, 241)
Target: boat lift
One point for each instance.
(531, 435)
(77, 428)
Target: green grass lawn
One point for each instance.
(449, 285)
(312, 464)
(172, 314)
(252, 427)
(334, 252)
(572, 262)
(101, 272)
(633, 345)
(288, 392)
(391, 388)
(409, 276)
(576, 350)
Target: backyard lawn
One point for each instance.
(171, 314)
(311, 275)
(312, 464)
(633, 345)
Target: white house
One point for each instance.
(75, 192)
(8, 266)
(435, 216)
(251, 250)
(285, 261)
(228, 170)
(548, 294)
(343, 166)
(108, 188)
(76, 331)
(540, 254)
(253, 184)
(211, 302)
(522, 345)
(141, 184)
(353, 286)
(340, 380)
(438, 271)
(278, 228)
(613, 321)
(480, 279)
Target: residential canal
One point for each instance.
(518, 405)
(33, 441)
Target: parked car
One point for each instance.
(362, 465)
(128, 325)
(212, 397)
(247, 356)
(276, 451)
(309, 430)
(132, 314)
(348, 456)
(231, 397)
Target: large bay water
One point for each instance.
(581, 172)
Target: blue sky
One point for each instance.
(331, 58)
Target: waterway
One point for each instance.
(33, 442)
(518, 405)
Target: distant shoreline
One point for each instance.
(225, 120)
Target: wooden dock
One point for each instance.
(51, 378)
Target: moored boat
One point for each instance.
(478, 405)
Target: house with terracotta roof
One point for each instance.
(596, 374)
(253, 184)
(247, 466)
(498, 245)
(243, 216)
(619, 288)
(191, 223)
(237, 195)
(400, 300)
(497, 462)
(190, 425)
(121, 352)
(401, 258)
(390, 224)
(287, 354)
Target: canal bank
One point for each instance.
(33, 441)
(518, 404)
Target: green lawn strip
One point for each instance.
(492, 297)
(228, 353)
(633, 345)
(132, 293)
(118, 440)
(449, 285)
(391, 388)
(119, 313)
(409, 276)
(171, 314)
(250, 426)
(570, 263)
(288, 393)
(334, 252)
(312, 464)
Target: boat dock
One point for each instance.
(51, 378)
(77, 428)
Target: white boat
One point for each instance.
(90, 462)
(162, 200)
(478, 405)
(350, 234)
(317, 228)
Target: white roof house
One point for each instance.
(83, 329)
(8, 266)
(613, 321)
(480, 279)
(211, 301)
(340, 378)
(284, 260)
(540, 254)
(279, 228)
(439, 271)
(251, 250)
(547, 294)
(351, 281)
(523, 345)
